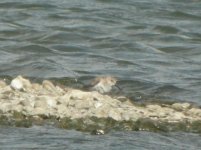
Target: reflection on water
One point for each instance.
(152, 46)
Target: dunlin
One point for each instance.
(103, 84)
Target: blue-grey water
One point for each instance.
(152, 46)
(42, 138)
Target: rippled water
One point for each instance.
(152, 46)
(40, 138)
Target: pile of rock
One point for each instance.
(36, 100)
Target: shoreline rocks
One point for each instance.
(27, 103)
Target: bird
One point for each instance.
(103, 84)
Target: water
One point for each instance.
(40, 138)
(152, 46)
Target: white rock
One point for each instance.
(51, 102)
(17, 84)
(98, 104)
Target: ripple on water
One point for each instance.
(50, 138)
(153, 47)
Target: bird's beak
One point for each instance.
(116, 86)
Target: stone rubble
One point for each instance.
(46, 99)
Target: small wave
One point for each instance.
(166, 29)
(184, 15)
(28, 6)
(168, 89)
(34, 48)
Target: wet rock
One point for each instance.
(98, 132)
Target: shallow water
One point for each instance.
(152, 46)
(39, 138)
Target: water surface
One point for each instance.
(152, 46)
(40, 138)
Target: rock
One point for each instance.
(129, 115)
(36, 87)
(80, 95)
(41, 104)
(176, 117)
(115, 114)
(20, 83)
(61, 109)
(181, 106)
(48, 86)
(45, 101)
(26, 83)
(39, 111)
(64, 99)
(17, 84)
(154, 107)
(28, 111)
(2, 84)
(27, 103)
(5, 107)
(18, 108)
(98, 132)
(60, 90)
(195, 112)
(98, 104)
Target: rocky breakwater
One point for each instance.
(23, 103)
